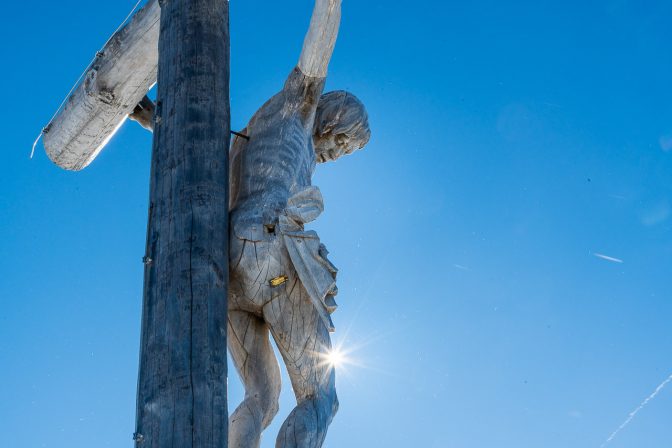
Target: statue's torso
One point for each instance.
(278, 159)
(271, 199)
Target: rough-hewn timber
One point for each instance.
(182, 379)
(119, 78)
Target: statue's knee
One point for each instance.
(269, 405)
(327, 405)
(334, 407)
(271, 411)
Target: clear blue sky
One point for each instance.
(512, 141)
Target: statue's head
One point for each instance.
(341, 126)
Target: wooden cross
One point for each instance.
(182, 401)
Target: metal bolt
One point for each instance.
(238, 134)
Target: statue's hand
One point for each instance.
(305, 206)
(144, 113)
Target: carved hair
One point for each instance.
(340, 112)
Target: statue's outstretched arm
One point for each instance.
(318, 45)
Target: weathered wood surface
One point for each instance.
(282, 284)
(320, 40)
(143, 114)
(118, 79)
(182, 380)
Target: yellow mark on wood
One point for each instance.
(277, 281)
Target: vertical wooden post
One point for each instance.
(182, 399)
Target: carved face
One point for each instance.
(330, 147)
(341, 126)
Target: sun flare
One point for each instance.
(335, 358)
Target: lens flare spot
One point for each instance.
(335, 358)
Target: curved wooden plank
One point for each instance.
(116, 82)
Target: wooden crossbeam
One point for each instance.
(118, 79)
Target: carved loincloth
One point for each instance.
(308, 255)
(262, 269)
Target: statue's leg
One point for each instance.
(258, 368)
(303, 340)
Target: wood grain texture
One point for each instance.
(320, 40)
(281, 282)
(118, 79)
(181, 399)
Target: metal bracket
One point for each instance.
(238, 134)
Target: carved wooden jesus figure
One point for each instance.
(281, 281)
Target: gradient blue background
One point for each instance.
(511, 142)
